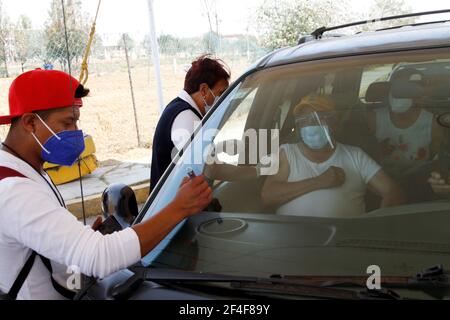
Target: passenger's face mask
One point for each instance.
(63, 148)
(400, 105)
(316, 137)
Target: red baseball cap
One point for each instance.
(40, 90)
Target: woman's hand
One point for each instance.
(193, 196)
(439, 184)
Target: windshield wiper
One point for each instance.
(243, 285)
(318, 292)
(434, 281)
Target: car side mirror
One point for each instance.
(119, 206)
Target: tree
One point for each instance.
(97, 49)
(211, 42)
(212, 38)
(23, 48)
(127, 40)
(382, 8)
(169, 45)
(77, 33)
(385, 8)
(5, 27)
(281, 23)
(193, 47)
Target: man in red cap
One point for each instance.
(37, 233)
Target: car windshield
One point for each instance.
(321, 168)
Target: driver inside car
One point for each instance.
(318, 176)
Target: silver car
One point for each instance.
(241, 247)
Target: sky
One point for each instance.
(182, 18)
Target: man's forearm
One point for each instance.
(278, 193)
(155, 229)
(394, 198)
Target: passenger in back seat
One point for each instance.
(408, 136)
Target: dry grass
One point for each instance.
(108, 114)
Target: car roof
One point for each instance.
(403, 38)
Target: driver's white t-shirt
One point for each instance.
(344, 201)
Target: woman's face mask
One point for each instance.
(316, 137)
(207, 106)
(400, 105)
(63, 148)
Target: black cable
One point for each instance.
(71, 83)
(66, 37)
(85, 284)
(54, 188)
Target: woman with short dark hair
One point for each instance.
(205, 82)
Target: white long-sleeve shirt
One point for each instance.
(31, 218)
(185, 123)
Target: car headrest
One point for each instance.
(439, 87)
(407, 89)
(378, 92)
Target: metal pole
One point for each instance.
(155, 55)
(132, 89)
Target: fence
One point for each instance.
(121, 74)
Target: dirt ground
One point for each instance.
(108, 115)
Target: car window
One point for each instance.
(372, 74)
(285, 205)
(234, 127)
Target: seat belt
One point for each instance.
(23, 275)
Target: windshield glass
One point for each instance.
(321, 168)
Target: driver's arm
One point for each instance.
(277, 190)
(390, 192)
(438, 181)
(437, 137)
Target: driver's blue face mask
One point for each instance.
(63, 148)
(315, 137)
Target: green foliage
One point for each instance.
(281, 23)
(385, 8)
(169, 44)
(77, 33)
(26, 41)
(5, 27)
(127, 40)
